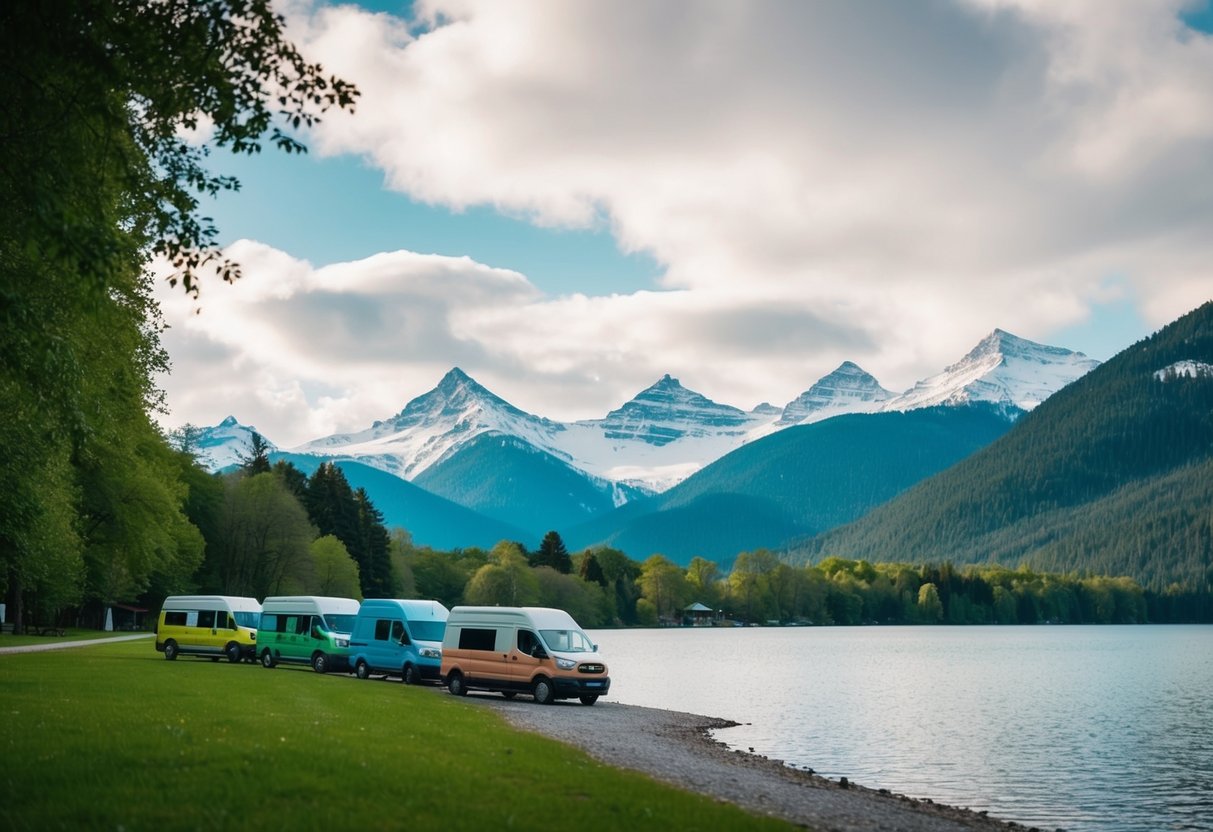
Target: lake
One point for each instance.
(1080, 728)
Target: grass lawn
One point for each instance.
(114, 737)
(70, 634)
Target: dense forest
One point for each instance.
(1112, 475)
(96, 179)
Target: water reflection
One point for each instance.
(1082, 728)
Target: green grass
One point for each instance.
(114, 737)
(70, 634)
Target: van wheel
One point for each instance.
(509, 694)
(410, 676)
(170, 650)
(267, 658)
(589, 699)
(545, 694)
(454, 683)
(361, 670)
(320, 663)
(233, 653)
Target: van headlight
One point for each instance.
(431, 653)
(341, 642)
(565, 664)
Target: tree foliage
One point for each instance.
(96, 176)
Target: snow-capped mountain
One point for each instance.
(1002, 369)
(849, 389)
(227, 443)
(668, 432)
(659, 437)
(667, 411)
(434, 425)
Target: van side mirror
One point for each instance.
(539, 653)
(595, 648)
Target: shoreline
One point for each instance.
(677, 748)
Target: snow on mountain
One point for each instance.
(849, 389)
(1185, 369)
(1002, 369)
(433, 426)
(225, 444)
(668, 432)
(660, 437)
(667, 411)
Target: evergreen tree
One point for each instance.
(256, 460)
(553, 553)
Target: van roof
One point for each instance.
(541, 618)
(311, 604)
(233, 602)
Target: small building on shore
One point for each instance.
(698, 615)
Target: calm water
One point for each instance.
(1081, 728)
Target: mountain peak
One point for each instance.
(848, 389)
(666, 411)
(1004, 369)
(229, 422)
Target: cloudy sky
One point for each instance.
(569, 199)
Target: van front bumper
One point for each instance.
(569, 688)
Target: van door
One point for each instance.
(525, 658)
(208, 635)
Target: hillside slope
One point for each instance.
(796, 482)
(1111, 474)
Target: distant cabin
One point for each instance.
(698, 615)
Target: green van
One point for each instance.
(306, 629)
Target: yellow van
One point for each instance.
(213, 626)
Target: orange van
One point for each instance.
(512, 650)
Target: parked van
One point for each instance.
(515, 650)
(208, 625)
(398, 638)
(306, 629)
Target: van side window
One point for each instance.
(473, 638)
(269, 622)
(398, 635)
(175, 618)
(206, 618)
(221, 620)
(383, 629)
(303, 625)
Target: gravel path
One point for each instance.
(675, 747)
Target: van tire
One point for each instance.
(545, 694)
(410, 676)
(320, 662)
(361, 670)
(267, 658)
(589, 699)
(170, 650)
(233, 652)
(454, 683)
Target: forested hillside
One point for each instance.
(797, 482)
(1112, 474)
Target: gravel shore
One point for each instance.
(675, 747)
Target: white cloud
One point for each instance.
(881, 182)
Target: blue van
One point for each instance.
(394, 637)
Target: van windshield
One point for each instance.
(427, 630)
(252, 620)
(567, 641)
(340, 623)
